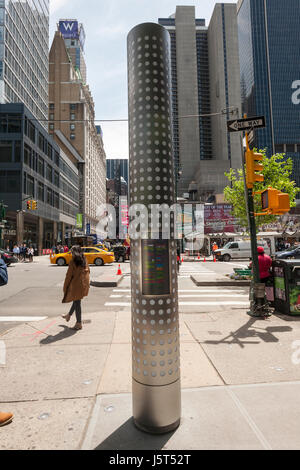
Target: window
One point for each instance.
(56, 200)
(51, 127)
(5, 151)
(51, 117)
(17, 151)
(30, 186)
(290, 148)
(73, 107)
(72, 137)
(51, 106)
(14, 124)
(72, 117)
(234, 246)
(41, 191)
(49, 196)
(56, 158)
(279, 148)
(49, 173)
(56, 178)
(12, 182)
(41, 166)
(72, 127)
(41, 142)
(49, 151)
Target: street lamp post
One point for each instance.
(154, 290)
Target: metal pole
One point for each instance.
(155, 321)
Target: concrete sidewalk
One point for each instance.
(71, 390)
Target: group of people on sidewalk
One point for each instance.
(23, 252)
(76, 287)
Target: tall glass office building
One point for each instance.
(269, 65)
(24, 46)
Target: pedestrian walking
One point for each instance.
(16, 251)
(30, 253)
(5, 418)
(77, 285)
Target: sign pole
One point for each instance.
(156, 391)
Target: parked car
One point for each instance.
(238, 250)
(290, 253)
(8, 257)
(93, 256)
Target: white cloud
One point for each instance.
(56, 5)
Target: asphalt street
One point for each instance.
(35, 291)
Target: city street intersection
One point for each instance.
(72, 390)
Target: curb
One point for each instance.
(107, 283)
(228, 283)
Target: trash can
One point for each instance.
(287, 286)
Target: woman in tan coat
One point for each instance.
(77, 285)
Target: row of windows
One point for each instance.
(37, 189)
(12, 97)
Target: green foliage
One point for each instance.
(277, 173)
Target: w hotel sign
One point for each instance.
(69, 29)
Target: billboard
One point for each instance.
(69, 29)
(218, 219)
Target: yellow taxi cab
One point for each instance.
(101, 247)
(93, 255)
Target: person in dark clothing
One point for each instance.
(77, 284)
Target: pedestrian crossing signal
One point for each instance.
(274, 202)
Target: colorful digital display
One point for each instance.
(155, 267)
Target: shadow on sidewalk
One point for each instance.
(128, 437)
(263, 334)
(66, 333)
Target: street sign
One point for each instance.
(239, 125)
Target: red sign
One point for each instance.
(219, 219)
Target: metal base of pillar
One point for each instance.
(157, 410)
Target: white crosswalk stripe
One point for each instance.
(205, 297)
(21, 319)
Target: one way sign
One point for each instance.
(239, 125)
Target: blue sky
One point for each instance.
(107, 24)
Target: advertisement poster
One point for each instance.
(279, 283)
(218, 219)
(295, 299)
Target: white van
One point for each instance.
(239, 250)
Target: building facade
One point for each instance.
(24, 38)
(32, 166)
(72, 124)
(116, 168)
(205, 93)
(268, 34)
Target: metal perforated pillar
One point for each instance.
(154, 290)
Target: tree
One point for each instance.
(277, 174)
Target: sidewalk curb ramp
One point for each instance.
(112, 281)
(221, 282)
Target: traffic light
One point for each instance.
(29, 205)
(274, 202)
(34, 205)
(252, 167)
(2, 212)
